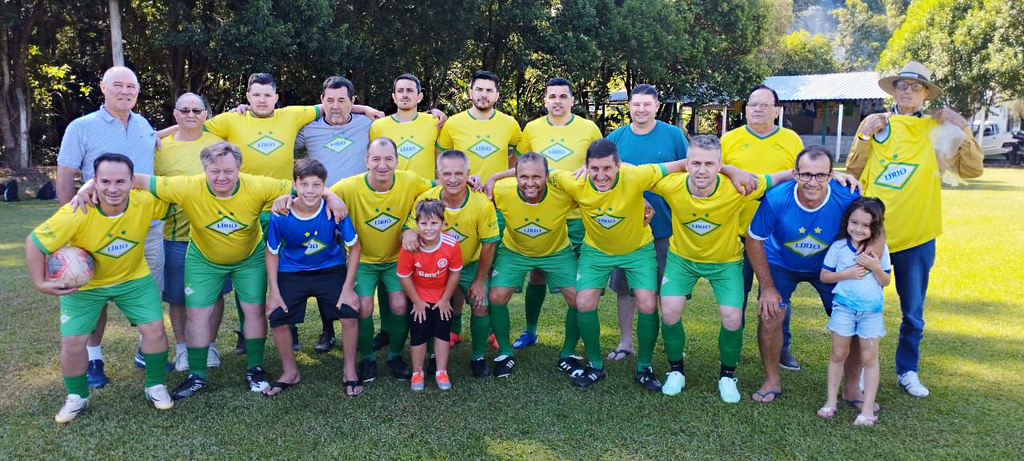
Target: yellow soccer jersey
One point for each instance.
(565, 146)
(486, 142)
(533, 229)
(378, 216)
(267, 144)
(747, 151)
(115, 242)
(613, 220)
(415, 141)
(224, 230)
(902, 171)
(704, 229)
(472, 224)
(180, 158)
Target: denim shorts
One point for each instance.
(848, 322)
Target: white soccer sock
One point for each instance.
(180, 347)
(95, 352)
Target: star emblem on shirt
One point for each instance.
(802, 230)
(307, 234)
(817, 230)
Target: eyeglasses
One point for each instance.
(818, 177)
(902, 85)
(194, 111)
(761, 106)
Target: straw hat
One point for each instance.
(914, 71)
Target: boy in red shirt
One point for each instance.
(427, 280)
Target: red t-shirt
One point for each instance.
(429, 269)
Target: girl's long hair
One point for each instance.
(871, 206)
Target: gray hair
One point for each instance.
(453, 154)
(707, 142)
(215, 151)
(110, 71)
(187, 95)
(382, 141)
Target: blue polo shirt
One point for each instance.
(305, 244)
(665, 143)
(91, 135)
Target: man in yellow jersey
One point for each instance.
(895, 160)
(704, 244)
(178, 155)
(762, 147)
(470, 218)
(414, 133)
(562, 138)
(113, 235)
(379, 201)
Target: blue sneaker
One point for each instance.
(95, 375)
(524, 340)
(140, 361)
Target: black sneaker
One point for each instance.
(431, 365)
(367, 371)
(788, 362)
(589, 376)
(295, 338)
(479, 367)
(382, 340)
(256, 379)
(240, 344)
(191, 386)
(325, 343)
(398, 368)
(504, 367)
(571, 366)
(646, 379)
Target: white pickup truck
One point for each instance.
(997, 140)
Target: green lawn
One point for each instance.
(972, 356)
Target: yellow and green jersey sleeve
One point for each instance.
(415, 142)
(267, 144)
(747, 151)
(180, 158)
(378, 216)
(533, 229)
(472, 224)
(485, 142)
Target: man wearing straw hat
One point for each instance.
(894, 158)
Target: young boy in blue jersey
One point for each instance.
(306, 259)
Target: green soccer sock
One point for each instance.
(156, 368)
(366, 338)
(384, 307)
(77, 385)
(480, 329)
(501, 326)
(646, 338)
(534, 302)
(730, 343)
(457, 323)
(399, 332)
(674, 337)
(572, 332)
(197, 360)
(254, 351)
(590, 331)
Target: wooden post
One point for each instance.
(824, 121)
(725, 120)
(116, 47)
(839, 130)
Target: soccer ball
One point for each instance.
(71, 266)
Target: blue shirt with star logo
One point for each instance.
(305, 244)
(795, 237)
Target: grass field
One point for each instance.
(973, 353)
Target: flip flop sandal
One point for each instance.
(351, 386)
(775, 395)
(865, 420)
(280, 385)
(858, 404)
(826, 412)
(615, 355)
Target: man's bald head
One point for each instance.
(190, 113)
(119, 73)
(190, 97)
(120, 89)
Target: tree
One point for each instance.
(861, 34)
(780, 18)
(17, 25)
(803, 54)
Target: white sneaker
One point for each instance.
(674, 383)
(72, 407)
(159, 397)
(912, 384)
(727, 389)
(212, 358)
(181, 360)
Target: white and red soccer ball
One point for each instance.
(71, 266)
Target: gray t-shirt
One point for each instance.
(341, 148)
(91, 135)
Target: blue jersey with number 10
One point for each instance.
(308, 244)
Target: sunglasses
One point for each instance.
(194, 111)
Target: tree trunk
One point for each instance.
(116, 45)
(6, 112)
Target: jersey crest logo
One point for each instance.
(606, 220)
(313, 246)
(338, 144)
(533, 230)
(442, 263)
(382, 222)
(408, 149)
(454, 233)
(701, 226)
(265, 145)
(896, 175)
(117, 247)
(226, 226)
(483, 148)
(556, 152)
(807, 246)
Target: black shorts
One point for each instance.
(432, 326)
(322, 284)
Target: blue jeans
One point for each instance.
(911, 268)
(786, 282)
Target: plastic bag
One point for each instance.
(946, 139)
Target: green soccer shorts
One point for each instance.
(138, 299)
(204, 279)
(726, 279)
(369, 274)
(511, 268)
(640, 266)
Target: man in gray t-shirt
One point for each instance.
(339, 139)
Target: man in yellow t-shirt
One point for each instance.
(414, 133)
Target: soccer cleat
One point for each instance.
(479, 367)
(240, 344)
(416, 383)
(674, 383)
(912, 384)
(212, 358)
(571, 366)
(140, 361)
(504, 367)
(95, 375)
(441, 379)
(159, 397)
(256, 379)
(189, 387)
(788, 362)
(646, 379)
(367, 371)
(398, 368)
(382, 340)
(295, 338)
(325, 343)
(524, 340)
(589, 376)
(727, 390)
(454, 339)
(72, 407)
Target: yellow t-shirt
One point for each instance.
(415, 141)
(472, 224)
(267, 144)
(224, 230)
(565, 146)
(704, 229)
(485, 142)
(180, 158)
(533, 229)
(747, 151)
(115, 242)
(378, 216)
(613, 220)
(902, 171)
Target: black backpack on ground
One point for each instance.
(47, 192)
(10, 191)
